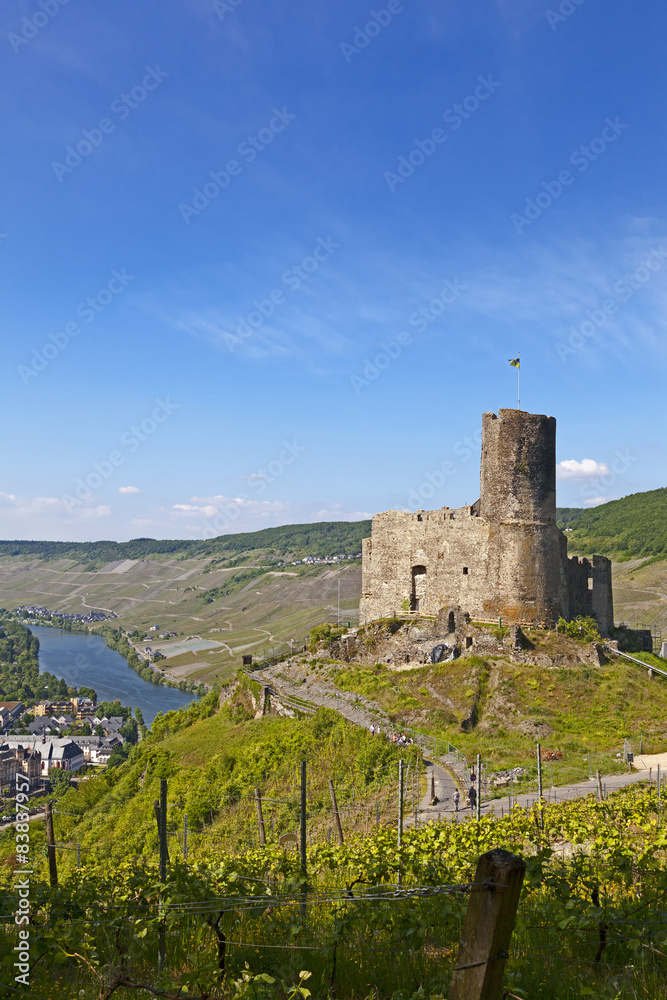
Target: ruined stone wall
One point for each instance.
(602, 598)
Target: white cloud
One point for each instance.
(129, 489)
(598, 500)
(587, 468)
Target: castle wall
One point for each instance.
(502, 558)
(490, 570)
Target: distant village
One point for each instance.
(37, 611)
(325, 561)
(46, 742)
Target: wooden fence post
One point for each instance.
(488, 927)
(260, 817)
(334, 806)
(50, 845)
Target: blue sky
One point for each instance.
(266, 263)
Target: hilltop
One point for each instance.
(634, 526)
(321, 539)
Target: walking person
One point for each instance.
(457, 798)
(372, 729)
(472, 796)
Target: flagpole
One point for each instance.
(518, 391)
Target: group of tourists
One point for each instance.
(400, 739)
(472, 793)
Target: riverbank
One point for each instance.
(115, 639)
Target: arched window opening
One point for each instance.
(418, 588)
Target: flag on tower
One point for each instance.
(515, 362)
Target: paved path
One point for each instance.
(501, 807)
(646, 761)
(445, 786)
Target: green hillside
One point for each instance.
(632, 527)
(324, 538)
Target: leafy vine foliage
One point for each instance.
(250, 924)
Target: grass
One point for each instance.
(499, 709)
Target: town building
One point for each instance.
(53, 752)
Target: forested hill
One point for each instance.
(634, 526)
(324, 538)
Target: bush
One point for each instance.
(326, 634)
(585, 628)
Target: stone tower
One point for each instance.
(518, 478)
(518, 500)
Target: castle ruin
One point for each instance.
(502, 558)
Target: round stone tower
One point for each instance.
(518, 479)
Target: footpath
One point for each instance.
(301, 692)
(445, 808)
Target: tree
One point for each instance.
(60, 780)
(129, 731)
(119, 755)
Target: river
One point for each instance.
(86, 660)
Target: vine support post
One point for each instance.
(260, 816)
(303, 835)
(400, 815)
(478, 803)
(659, 786)
(539, 784)
(50, 845)
(334, 806)
(400, 801)
(599, 780)
(185, 837)
(162, 829)
(488, 927)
